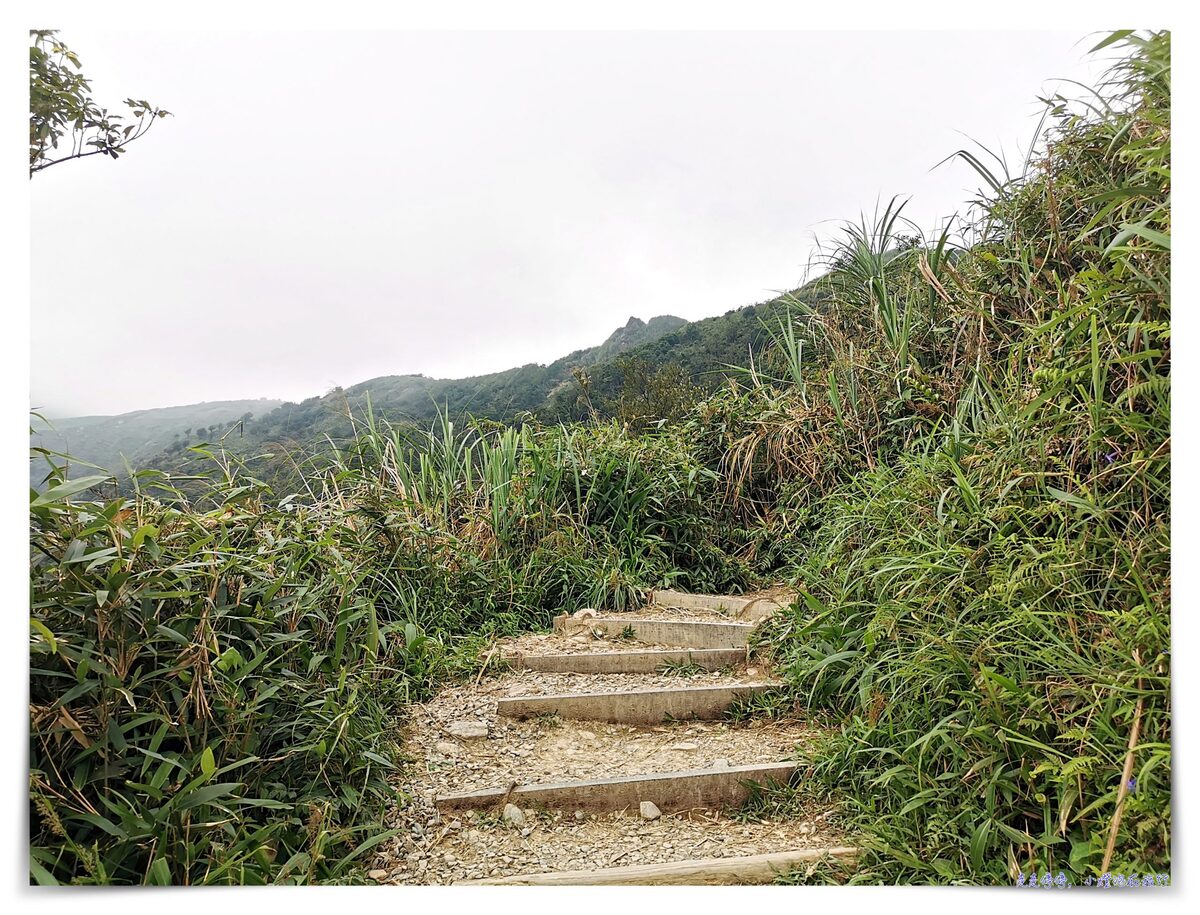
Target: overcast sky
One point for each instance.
(325, 208)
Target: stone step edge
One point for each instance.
(746, 869)
(686, 789)
(747, 608)
(680, 633)
(633, 661)
(641, 706)
(564, 620)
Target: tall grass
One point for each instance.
(215, 677)
(990, 611)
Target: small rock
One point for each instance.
(526, 832)
(468, 730)
(587, 735)
(514, 816)
(721, 763)
(378, 875)
(751, 671)
(579, 816)
(649, 810)
(446, 748)
(685, 745)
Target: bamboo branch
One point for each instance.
(1126, 775)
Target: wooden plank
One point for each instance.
(671, 791)
(645, 706)
(684, 633)
(629, 662)
(747, 869)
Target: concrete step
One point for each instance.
(629, 662)
(742, 608)
(748, 869)
(684, 633)
(670, 791)
(646, 706)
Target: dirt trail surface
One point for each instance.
(457, 743)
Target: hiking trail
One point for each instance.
(605, 754)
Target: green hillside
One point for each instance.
(499, 396)
(137, 437)
(644, 371)
(160, 437)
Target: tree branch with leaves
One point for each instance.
(63, 114)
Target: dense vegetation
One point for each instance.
(958, 449)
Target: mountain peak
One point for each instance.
(635, 333)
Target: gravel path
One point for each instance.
(455, 742)
(437, 850)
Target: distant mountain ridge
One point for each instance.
(499, 395)
(150, 437)
(585, 382)
(138, 436)
(703, 352)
